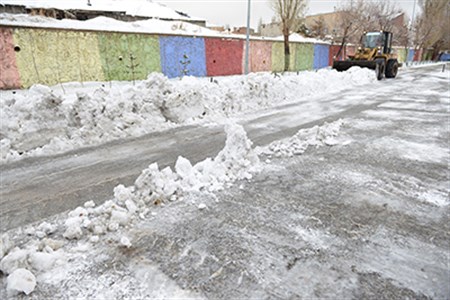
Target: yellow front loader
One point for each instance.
(376, 54)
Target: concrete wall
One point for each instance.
(9, 74)
(182, 56)
(223, 56)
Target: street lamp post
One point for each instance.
(247, 41)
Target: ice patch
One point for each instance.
(425, 152)
(435, 197)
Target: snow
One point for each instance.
(316, 136)
(124, 241)
(430, 152)
(236, 161)
(150, 26)
(92, 232)
(295, 37)
(45, 120)
(5, 244)
(143, 8)
(437, 198)
(21, 280)
(111, 221)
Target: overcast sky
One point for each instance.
(234, 12)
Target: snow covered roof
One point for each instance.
(142, 8)
(107, 24)
(150, 26)
(295, 37)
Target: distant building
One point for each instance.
(270, 30)
(323, 25)
(131, 10)
(328, 26)
(242, 30)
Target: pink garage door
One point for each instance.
(9, 74)
(260, 56)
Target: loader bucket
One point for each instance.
(347, 64)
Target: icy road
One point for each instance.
(363, 215)
(57, 183)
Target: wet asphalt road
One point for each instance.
(367, 218)
(35, 188)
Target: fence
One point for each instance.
(51, 56)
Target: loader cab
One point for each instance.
(382, 39)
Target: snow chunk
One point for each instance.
(42, 261)
(73, 228)
(5, 245)
(89, 204)
(125, 242)
(46, 229)
(237, 160)
(21, 280)
(153, 184)
(120, 217)
(299, 143)
(122, 194)
(16, 259)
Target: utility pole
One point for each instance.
(411, 27)
(413, 13)
(247, 41)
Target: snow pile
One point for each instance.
(236, 161)
(41, 121)
(53, 245)
(144, 8)
(179, 26)
(316, 136)
(38, 256)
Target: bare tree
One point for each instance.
(358, 16)
(431, 28)
(319, 28)
(290, 13)
(350, 22)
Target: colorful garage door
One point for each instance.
(182, 56)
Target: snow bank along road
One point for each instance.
(354, 209)
(35, 188)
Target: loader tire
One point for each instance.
(379, 69)
(391, 68)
